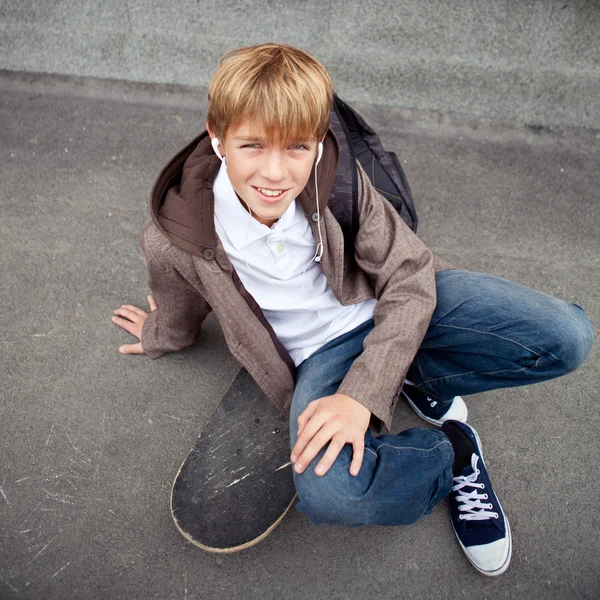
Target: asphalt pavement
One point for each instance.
(90, 440)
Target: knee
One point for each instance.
(319, 501)
(327, 499)
(350, 505)
(573, 341)
(395, 485)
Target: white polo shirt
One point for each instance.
(276, 266)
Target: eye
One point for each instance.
(299, 147)
(252, 146)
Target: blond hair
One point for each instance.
(280, 89)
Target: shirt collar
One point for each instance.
(234, 218)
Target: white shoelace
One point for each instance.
(469, 503)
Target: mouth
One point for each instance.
(270, 195)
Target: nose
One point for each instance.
(274, 167)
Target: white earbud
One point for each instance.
(319, 153)
(215, 144)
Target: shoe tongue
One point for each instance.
(468, 470)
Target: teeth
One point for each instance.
(269, 192)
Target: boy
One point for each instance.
(241, 226)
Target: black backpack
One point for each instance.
(359, 142)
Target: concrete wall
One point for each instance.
(532, 61)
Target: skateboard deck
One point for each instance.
(236, 483)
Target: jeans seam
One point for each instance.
(446, 377)
(489, 333)
(412, 448)
(425, 381)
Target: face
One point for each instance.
(266, 176)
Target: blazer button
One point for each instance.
(208, 185)
(315, 217)
(209, 254)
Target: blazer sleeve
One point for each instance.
(400, 268)
(176, 322)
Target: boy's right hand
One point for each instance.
(133, 322)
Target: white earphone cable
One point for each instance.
(320, 244)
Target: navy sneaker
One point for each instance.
(477, 517)
(430, 409)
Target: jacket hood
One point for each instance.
(182, 201)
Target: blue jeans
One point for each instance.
(486, 333)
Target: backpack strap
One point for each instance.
(358, 141)
(343, 200)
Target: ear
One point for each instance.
(212, 135)
(210, 131)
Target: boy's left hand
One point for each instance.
(338, 419)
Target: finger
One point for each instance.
(152, 304)
(335, 447)
(128, 314)
(358, 453)
(135, 309)
(309, 431)
(132, 349)
(308, 412)
(317, 442)
(132, 328)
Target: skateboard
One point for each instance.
(236, 483)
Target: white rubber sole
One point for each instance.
(506, 562)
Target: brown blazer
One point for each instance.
(190, 274)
